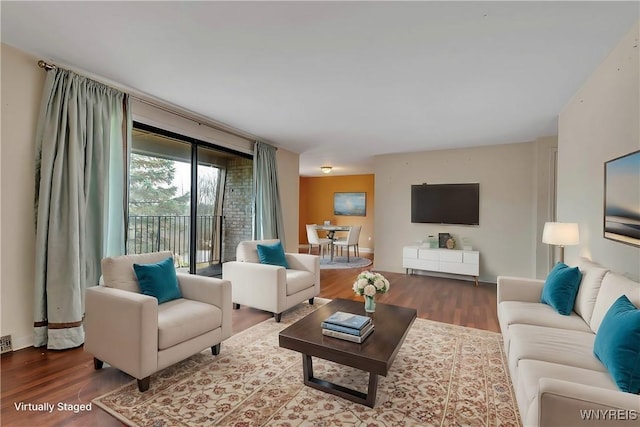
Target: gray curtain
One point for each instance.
(81, 148)
(268, 222)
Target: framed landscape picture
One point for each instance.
(622, 199)
(353, 204)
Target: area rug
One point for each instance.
(341, 262)
(443, 375)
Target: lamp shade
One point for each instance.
(561, 233)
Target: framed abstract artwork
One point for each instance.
(352, 204)
(622, 199)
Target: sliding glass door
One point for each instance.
(176, 198)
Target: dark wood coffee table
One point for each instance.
(375, 355)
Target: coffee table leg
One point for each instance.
(368, 399)
(307, 368)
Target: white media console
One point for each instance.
(441, 260)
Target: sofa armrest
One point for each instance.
(564, 403)
(519, 289)
(121, 328)
(209, 290)
(261, 286)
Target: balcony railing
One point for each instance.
(153, 233)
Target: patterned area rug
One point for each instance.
(443, 375)
(341, 262)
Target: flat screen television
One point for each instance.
(446, 203)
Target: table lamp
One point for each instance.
(561, 234)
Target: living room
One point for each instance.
(518, 188)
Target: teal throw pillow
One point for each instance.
(617, 344)
(561, 287)
(272, 254)
(158, 280)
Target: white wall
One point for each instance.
(601, 122)
(22, 84)
(289, 185)
(507, 234)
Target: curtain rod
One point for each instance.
(223, 128)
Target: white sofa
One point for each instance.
(271, 287)
(557, 379)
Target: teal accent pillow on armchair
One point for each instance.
(158, 280)
(272, 254)
(617, 344)
(561, 287)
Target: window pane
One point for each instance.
(159, 196)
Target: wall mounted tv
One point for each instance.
(446, 203)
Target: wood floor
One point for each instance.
(36, 376)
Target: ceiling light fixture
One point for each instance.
(326, 169)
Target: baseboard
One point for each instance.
(19, 343)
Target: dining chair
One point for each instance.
(312, 237)
(351, 240)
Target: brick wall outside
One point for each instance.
(237, 206)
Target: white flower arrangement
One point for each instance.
(369, 284)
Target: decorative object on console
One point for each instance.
(466, 244)
(451, 243)
(442, 240)
(369, 284)
(561, 234)
(621, 199)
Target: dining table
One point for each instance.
(331, 233)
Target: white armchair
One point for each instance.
(270, 287)
(132, 332)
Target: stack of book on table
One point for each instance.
(347, 326)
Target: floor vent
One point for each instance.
(5, 344)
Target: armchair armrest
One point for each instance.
(519, 289)
(304, 262)
(257, 285)
(564, 403)
(210, 291)
(121, 328)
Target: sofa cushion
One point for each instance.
(617, 344)
(561, 346)
(530, 372)
(613, 286)
(158, 280)
(535, 313)
(560, 288)
(181, 319)
(272, 254)
(298, 280)
(592, 275)
(118, 271)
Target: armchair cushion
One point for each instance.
(298, 280)
(272, 254)
(181, 320)
(117, 271)
(158, 280)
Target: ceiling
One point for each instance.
(339, 82)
